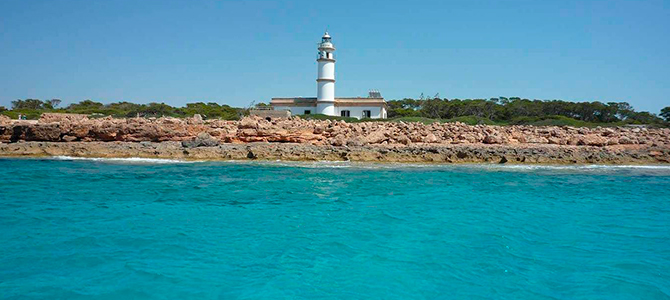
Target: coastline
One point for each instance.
(432, 154)
(294, 139)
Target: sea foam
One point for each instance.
(391, 165)
(129, 160)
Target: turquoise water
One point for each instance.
(82, 229)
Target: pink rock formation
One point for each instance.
(68, 128)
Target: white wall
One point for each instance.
(326, 108)
(297, 110)
(376, 112)
(326, 70)
(325, 91)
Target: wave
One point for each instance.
(652, 170)
(662, 169)
(492, 167)
(570, 167)
(131, 160)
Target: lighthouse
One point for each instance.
(325, 103)
(325, 92)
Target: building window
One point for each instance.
(366, 114)
(307, 111)
(345, 113)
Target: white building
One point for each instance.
(325, 102)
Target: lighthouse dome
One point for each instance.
(326, 44)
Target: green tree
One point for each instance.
(27, 104)
(644, 117)
(665, 113)
(86, 107)
(53, 103)
(210, 110)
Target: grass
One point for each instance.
(559, 121)
(29, 113)
(472, 120)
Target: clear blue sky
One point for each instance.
(238, 52)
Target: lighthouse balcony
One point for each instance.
(326, 45)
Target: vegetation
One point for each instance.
(665, 113)
(501, 111)
(523, 111)
(33, 108)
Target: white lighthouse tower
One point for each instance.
(325, 103)
(325, 94)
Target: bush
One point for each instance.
(423, 120)
(559, 121)
(30, 114)
(471, 120)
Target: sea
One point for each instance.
(165, 229)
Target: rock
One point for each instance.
(430, 138)
(554, 140)
(376, 137)
(355, 142)
(5, 119)
(492, 139)
(59, 117)
(248, 122)
(195, 120)
(626, 141)
(202, 140)
(69, 138)
(593, 140)
(537, 140)
(194, 132)
(43, 132)
(654, 153)
(338, 141)
(403, 139)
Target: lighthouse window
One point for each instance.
(366, 114)
(307, 111)
(345, 113)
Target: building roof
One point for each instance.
(311, 101)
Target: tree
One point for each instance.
(27, 104)
(644, 117)
(2, 108)
(665, 113)
(53, 102)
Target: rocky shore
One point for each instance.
(297, 139)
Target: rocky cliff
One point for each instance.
(335, 140)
